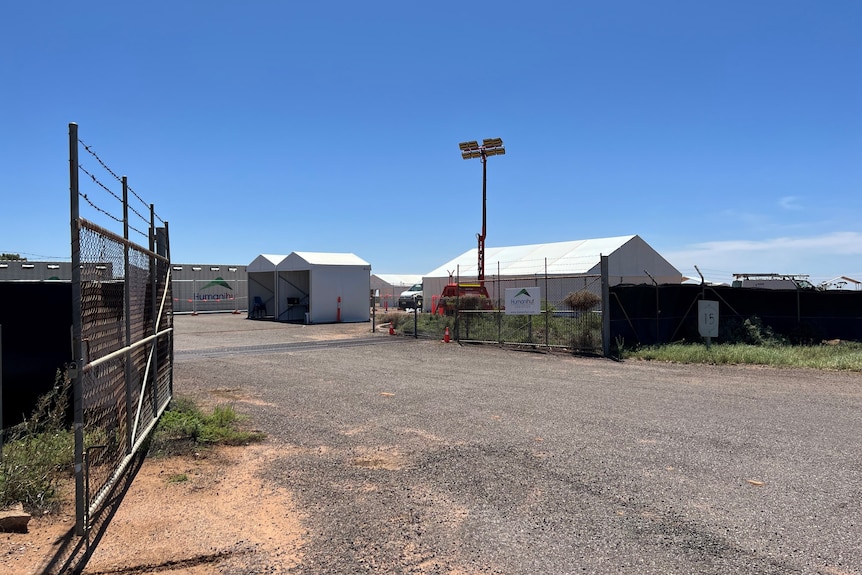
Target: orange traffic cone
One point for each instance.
(446, 335)
(391, 328)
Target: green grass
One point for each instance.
(38, 455)
(184, 427)
(846, 356)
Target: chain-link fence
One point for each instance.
(122, 337)
(568, 314)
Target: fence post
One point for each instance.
(77, 359)
(499, 303)
(548, 309)
(154, 313)
(127, 313)
(606, 307)
(163, 247)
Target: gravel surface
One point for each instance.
(409, 456)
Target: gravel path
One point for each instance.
(410, 456)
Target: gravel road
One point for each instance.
(420, 457)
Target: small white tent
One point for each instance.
(312, 287)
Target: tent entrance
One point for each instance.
(294, 292)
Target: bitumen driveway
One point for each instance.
(417, 456)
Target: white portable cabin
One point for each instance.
(310, 287)
(630, 261)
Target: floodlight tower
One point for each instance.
(470, 150)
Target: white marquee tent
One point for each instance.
(309, 287)
(630, 260)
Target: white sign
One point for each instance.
(707, 318)
(524, 301)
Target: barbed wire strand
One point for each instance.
(104, 187)
(103, 211)
(118, 178)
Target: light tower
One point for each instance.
(470, 150)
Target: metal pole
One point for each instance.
(499, 315)
(606, 306)
(77, 359)
(154, 306)
(127, 307)
(167, 253)
(484, 159)
(548, 308)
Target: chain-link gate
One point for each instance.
(122, 340)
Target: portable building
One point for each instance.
(309, 287)
(567, 266)
(200, 288)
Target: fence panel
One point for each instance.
(568, 320)
(122, 338)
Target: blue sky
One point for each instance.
(726, 134)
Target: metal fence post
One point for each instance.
(154, 312)
(606, 307)
(77, 359)
(548, 309)
(127, 312)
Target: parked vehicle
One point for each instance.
(411, 298)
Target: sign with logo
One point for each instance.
(707, 318)
(524, 301)
(219, 282)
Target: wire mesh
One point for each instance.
(125, 302)
(570, 316)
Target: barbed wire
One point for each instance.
(119, 179)
(112, 216)
(112, 193)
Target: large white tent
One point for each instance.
(310, 287)
(630, 260)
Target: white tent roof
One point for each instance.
(400, 279)
(331, 259)
(273, 262)
(265, 263)
(573, 257)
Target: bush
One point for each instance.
(39, 453)
(582, 300)
(751, 331)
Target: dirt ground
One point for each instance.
(211, 502)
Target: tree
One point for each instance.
(12, 257)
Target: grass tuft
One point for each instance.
(184, 428)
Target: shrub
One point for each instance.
(582, 300)
(39, 452)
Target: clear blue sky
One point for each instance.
(727, 134)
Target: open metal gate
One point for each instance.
(122, 337)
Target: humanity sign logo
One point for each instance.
(216, 283)
(523, 301)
